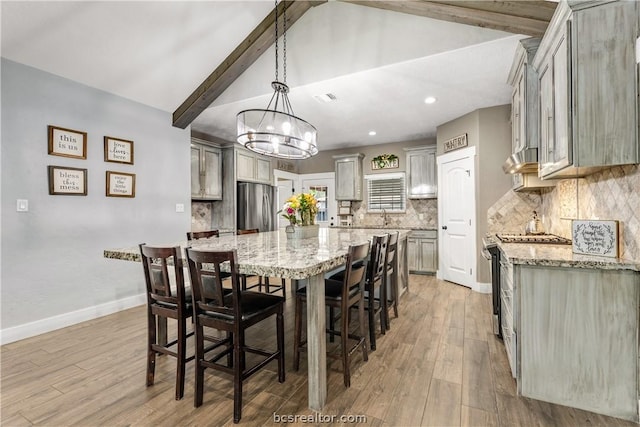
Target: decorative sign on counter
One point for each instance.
(455, 143)
(593, 237)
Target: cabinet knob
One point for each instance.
(444, 227)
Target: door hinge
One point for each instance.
(470, 271)
(469, 222)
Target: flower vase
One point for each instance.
(302, 232)
(306, 218)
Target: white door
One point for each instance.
(456, 201)
(285, 190)
(323, 186)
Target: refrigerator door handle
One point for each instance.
(265, 209)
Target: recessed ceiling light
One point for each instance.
(325, 97)
(430, 100)
(372, 133)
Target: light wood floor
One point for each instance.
(439, 365)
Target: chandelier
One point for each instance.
(276, 131)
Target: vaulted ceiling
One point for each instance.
(205, 61)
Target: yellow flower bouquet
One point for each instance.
(300, 209)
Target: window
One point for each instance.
(386, 191)
(320, 193)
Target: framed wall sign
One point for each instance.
(459, 141)
(120, 184)
(67, 142)
(67, 181)
(118, 150)
(593, 237)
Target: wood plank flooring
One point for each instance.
(439, 365)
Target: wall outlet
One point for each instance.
(361, 216)
(421, 216)
(22, 205)
(179, 207)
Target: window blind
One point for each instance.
(386, 191)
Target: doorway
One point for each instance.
(322, 184)
(456, 212)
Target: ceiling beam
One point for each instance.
(529, 17)
(237, 62)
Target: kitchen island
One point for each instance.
(273, 254)
(571, 327)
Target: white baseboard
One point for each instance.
(483, 288)
(42, 326)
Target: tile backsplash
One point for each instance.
(613, 194)
(200, 216)
(512, 211)
(410, 219)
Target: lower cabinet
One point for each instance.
(422, 251)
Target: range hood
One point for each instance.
(525, 161)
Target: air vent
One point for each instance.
(327, 97)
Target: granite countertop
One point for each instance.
(551, 255)
(388, 227)
(272, 253)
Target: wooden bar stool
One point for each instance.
(262, 280)
(391, 276)
(232, 313)
(342, 294)
(195, 235)
(167, 303)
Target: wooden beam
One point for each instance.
(239, 60)
(518, 17)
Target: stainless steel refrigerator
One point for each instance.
(256, 206)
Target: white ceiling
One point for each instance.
(379, 64)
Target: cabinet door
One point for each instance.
(245, 166)
(263, 170)
(413, 255)
(346, 175)
(212, 181)
(429, 252)
(522, 112)
(196, 165)
(545, 154)
(560, 62)
(422, 178)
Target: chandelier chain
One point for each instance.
(275, 11)
(284, 43)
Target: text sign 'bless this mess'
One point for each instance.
(595, 237)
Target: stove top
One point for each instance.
(533, 238)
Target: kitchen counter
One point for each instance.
(551, 255)
(367, 227)
(273, 254)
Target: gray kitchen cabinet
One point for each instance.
(349, 177)
(252, 167)
(588, 78)
(206, 171)
(422, 251)
(422, 181)
(525, 97)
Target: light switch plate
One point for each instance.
(179, 207)
(22, 205)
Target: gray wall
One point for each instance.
(489, 130)
(52, 256)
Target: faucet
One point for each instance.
(385, 219)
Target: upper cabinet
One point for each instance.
(524, 106)
(348, 169)
(588, 77)
(252, 167)
(206, 171)
(422, 176)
